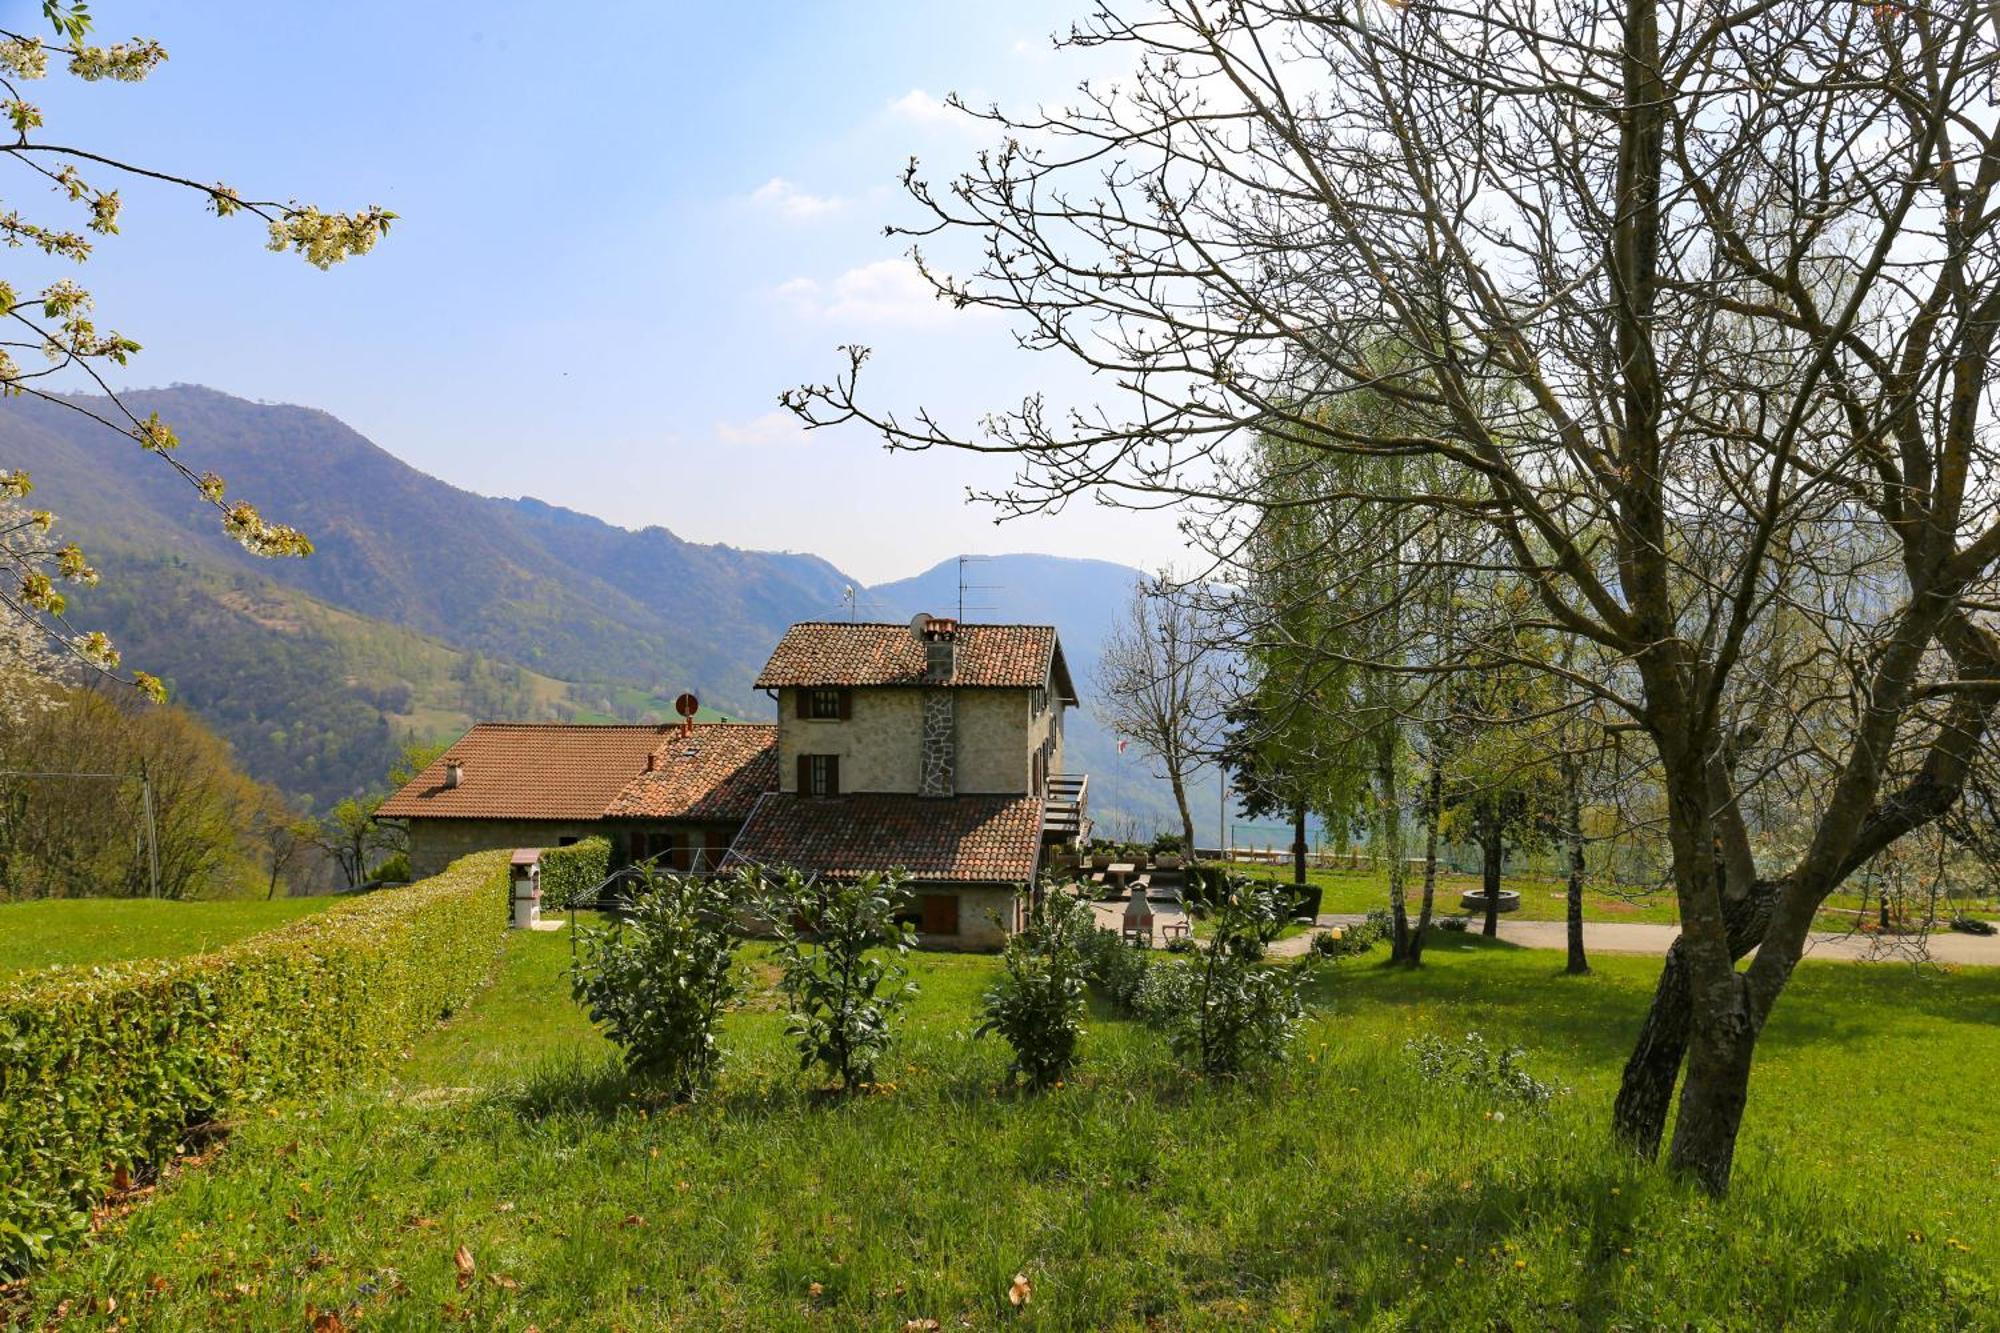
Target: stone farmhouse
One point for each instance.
(934, 748)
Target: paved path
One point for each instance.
(1943, 946)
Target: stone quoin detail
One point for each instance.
(938, 761)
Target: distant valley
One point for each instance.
(426, 607)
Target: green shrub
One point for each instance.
(1038, 1005)
(659, 982)
(1358, 938)
(1478, 1068)
(1236, 1013)
(1165, 992)
(103, 1071)
(569, 872)
(1113, 968)
(844, 996)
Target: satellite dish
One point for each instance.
(687, 705)
(918, 623)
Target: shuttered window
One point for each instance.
(826, 705)
(940, 913)
(819, 775)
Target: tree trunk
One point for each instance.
(1187, 817)
(1492, 847)
(1433, 805)
(1646, 1092)
(1715, 1091)
(1299, 843)
(1573, 909)
(1389, 845)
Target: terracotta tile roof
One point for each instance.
(573, 771)
(715, 772)
(980, 839)
(836, 652)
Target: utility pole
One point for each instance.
(152, 830)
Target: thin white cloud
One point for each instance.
(888, 291)
(788, 201)
(921, 108)
(774, 427)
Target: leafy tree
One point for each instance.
(659, 982)
(57, 321)
(350, 834)
(1702, 305)
(99, 793)
(844, 993)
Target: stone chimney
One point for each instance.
(454, 773)
(940, 650)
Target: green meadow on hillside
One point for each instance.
(110, 930)
(1340, 1190)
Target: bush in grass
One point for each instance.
(1038, 1005)
(1236, 1013)
(1477, 1067)
(844, 995)
(1165, 991)
(659, 982)
(1457, 925)
(1358, 938)
(572, 871)
(1113, 968)
(104, 1071)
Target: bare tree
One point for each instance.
(1703, 298)
(1161, 689)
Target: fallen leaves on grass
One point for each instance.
(1021, 1292)
(462, 1261)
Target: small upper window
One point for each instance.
(824, 705)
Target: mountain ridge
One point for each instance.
(424, 602)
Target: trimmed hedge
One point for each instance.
(105, 1070)
(568, 872)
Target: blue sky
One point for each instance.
(622, 235)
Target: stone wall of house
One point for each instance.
(993, 745)
(1047, 725)
(436, 843)
(986, 917)
(879, 743)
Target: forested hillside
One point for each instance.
(555, 590)
(425, 608)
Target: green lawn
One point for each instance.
(1543, 899)
(1341, 1190)
(109, 930)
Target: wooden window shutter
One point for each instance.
(833, 775)
(940, 914)
(802, 702)
(846, 704)
(805, 775)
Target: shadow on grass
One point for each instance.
(1470, 980)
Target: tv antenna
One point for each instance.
(964, 587)
(853, 608)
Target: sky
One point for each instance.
(623, 230)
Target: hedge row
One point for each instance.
(105, 1070)
(568, 872)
